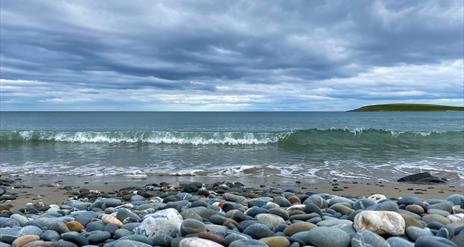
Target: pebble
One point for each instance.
(23, 240)
(198, 242)
(365, 238)
(380, 222)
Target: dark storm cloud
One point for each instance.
(229, 55)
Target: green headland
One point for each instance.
(407, 107)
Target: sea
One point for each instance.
(380, 146)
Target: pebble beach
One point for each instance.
(201, 214)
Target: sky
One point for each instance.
(229, 55)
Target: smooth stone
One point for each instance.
(407, 200)
(234, 237)
(363, 204)
(8, 235)
(446, 206)
(121, 233)
(247, 243)
(438, 211)
(111, 202)
(75, 226)
(61, 243)
(380, 222)
(23, 240)
(129, 243)
(282, 201)
(125, 215)
(163, 223)
(110, 219)
(191, 226)
(258, 231)
(8, 222)
(189, 214)
(95, 226)
(31, 230)
(75, 237)
(221, 230)
(21, 219)
(60, 227)
(399, 242)
(50, 235)
(298, 227)
(458, 239)
(270, 219)
(435, 217)
(430, 241)
(198, 242)
(368, 239)
(98, 236)
(138, 238)
(276, 241)
(415, 232)
(312, 208)
(341, 208)
(280, 212)
(456, 199)
(387, 206)
(327, 236)
(410, 221)
(415, 209)
(317, 200)
(212, 236)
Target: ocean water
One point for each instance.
(313, 145)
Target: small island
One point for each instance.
(407, 107)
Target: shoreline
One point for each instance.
(55, 189)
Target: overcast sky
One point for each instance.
(229, 55)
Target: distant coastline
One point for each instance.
(407, 107)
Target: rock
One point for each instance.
(327, 236)
(298, 227)
(21, 219)
(163, 223)
(247, 243)
(430, 241)
(422, 178)
(415, 209)
(198, 242)
(50, 235)
(258, 231)
(96, 237)
(111, 202)
(23, 240)
(435, 217)
(270, 219)
(456, 199)
(191, 226)
(415, 232)
(276, 241)
(368, 239)
(410, 221)
(191, 187)
(282, 201)
(129, 243)
(75, 237)
(110, 219)
(377, 197)
(212, 236)
(234, 237)
(399, 242)
(380, 222)
(60, 227)
(446, 206)
(458, 239)
(138, 238)
(31, 230)
(74, 226)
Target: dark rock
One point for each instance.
(422, 178)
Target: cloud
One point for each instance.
(240, 55)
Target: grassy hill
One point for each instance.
(408, 107)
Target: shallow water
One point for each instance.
(359, 145)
